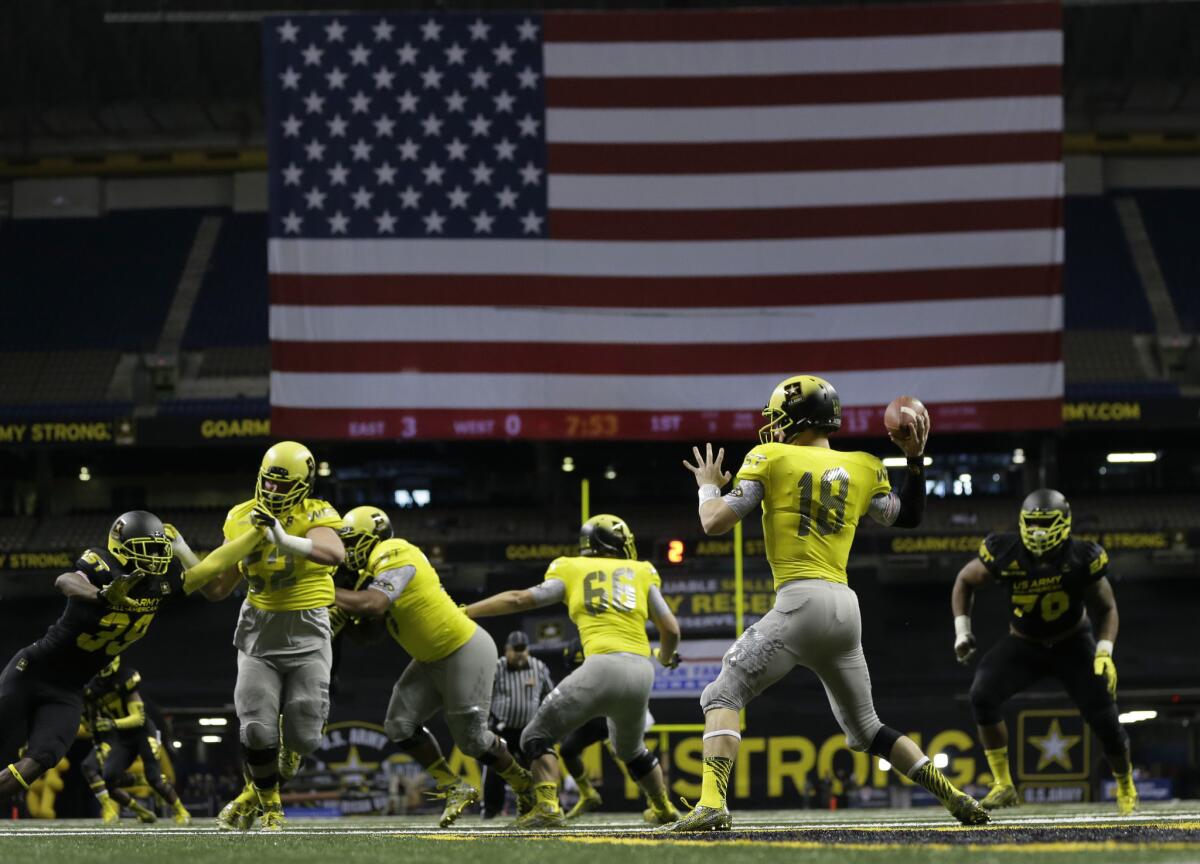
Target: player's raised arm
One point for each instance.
(510, 602)
(906, 508)
(217, 575)
(74, 585)
(321, 544)
(718, 514)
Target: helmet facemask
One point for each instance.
(359, 545)
(147, 555)
(278, 494)
(1042, 531)
(777, 422)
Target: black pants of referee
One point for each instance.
(36, 713)
(493, 783)
(1015, 664)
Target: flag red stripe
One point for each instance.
(569, 358)
(729, 90)
(833, 155)
(806, 23)
(555, 424)
(717, 291)
(795, 222)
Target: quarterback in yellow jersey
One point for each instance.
(812, 498)
(453, 659)
(283, 634)
(609, 595)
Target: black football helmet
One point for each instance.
(1045, 521)
(798, 403)
(606, 536)
(138, 540)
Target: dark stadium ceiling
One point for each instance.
(90, 77)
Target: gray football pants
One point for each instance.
(614, 686)
(294, 686)
(815, 624)
(460, 683)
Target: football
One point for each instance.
(899, 414)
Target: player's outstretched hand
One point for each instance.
(115, 592)
(914, 444)
(707, 470)
(266, 523)
(964, 648)
(671, 662)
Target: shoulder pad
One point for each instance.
(757, 456)
(93, 560)
(1088, 554)
(996, 546)
(316, 509)
(133, 679)
(387, 550)
(650, 568)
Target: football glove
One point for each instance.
(115, 592)
(964, 640)
(1104, 665)
(105, 724)
(672, 662)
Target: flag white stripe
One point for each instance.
(804, 122)
(802, 56)
(482, 391)
(700, 327)
(804, 188)
(688, 258)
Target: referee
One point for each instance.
(522, 682)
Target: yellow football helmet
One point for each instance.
(112, 667)
(798, 403)
(285, 478)
(361, 529)
(139, 541)
(1045, 520)
(606, 536)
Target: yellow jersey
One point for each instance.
(607, 600)
(279, 583)
(813, 498)
(423, 619)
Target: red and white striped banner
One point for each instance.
(871, 194)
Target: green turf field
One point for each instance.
(1066, 833)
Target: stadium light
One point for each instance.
(884, 765)
(610, 473)
(1137, 716)
(211, 739)
(85, 473)
(900, 461)
(1132, 457)
(177, 744)
(214, 721)
(940, 760)
(323, 469)
(568, 464)
(1018, 457)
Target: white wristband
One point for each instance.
(709, 491)
(1104, 646)
(301, 546)
(962, 626)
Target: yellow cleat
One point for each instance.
(586, 804)
(1000, 796)
(701, 819)
(458, 797)
(543, 815)
(182, 816)
(665, 816)
(110, 811)
(143, 815)
(1127, 795)
(967, 810)
(270, 810)
(240, 813)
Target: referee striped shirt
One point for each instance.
(517, 693)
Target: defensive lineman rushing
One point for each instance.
(283, 634)
(453, 663)
(812, 498)
(1050, 577)
(609, 595)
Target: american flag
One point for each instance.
(635, 224)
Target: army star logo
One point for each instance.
(1054, 747)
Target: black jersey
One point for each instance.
(1047, 593)
(88, 635)
(109, 695)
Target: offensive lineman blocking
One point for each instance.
(812, 498)
(609, 595)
